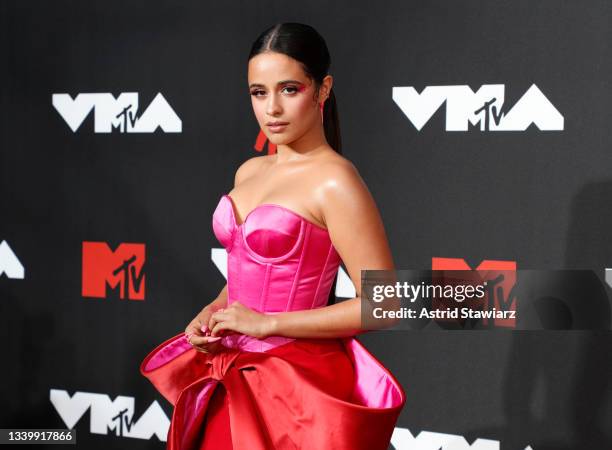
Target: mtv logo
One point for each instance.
(501, 278)
(122, 268)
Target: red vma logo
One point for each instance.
(122, 268)
(500, 277)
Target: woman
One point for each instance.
(272, 363)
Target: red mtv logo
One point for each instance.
(260, 142)
(124, 267)
(500, 277)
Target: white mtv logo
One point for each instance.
(106, 414)
(344, 286)
(9, 263)
(402, 439)
(483, 107)
(117, 113)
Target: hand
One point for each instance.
(239, 318)
(198, 334)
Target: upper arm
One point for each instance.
(354, 223)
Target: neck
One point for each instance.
(306, 146)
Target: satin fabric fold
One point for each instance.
(304, 394)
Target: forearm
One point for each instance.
(220, 301)
(337, 320)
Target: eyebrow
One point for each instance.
(278, 84)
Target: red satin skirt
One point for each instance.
(308, 393)
(217, 429)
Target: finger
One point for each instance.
(221, 315)
(211, 323)
(189, 333)
(203, 340)
(227, 332)
(211, 348)
(194, 328)
(220, 327)
(193, 332)
(217, 317)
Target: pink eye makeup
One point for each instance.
(290, 90)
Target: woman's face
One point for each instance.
(281, 92)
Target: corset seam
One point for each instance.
(264, 289)
(299, 268)
(240, 290)
(321, 275)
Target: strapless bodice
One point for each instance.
(277, 260)
(283, 392)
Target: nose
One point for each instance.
(273, 107)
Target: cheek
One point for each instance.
(299, 110)
(259, 110)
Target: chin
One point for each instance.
(278, 139)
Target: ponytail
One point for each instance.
(331, 123)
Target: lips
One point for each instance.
(277, 126)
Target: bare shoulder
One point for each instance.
(341, 193)
(340, 180)
(250, 167)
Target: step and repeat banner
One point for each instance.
(482, 128)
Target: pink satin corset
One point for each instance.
(277, 260)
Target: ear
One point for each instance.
(326, 86)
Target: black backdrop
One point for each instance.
(539, 198)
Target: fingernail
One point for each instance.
(213, 339)
(204, 328)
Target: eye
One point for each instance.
(291, 90)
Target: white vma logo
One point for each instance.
(117, 113)
(115, 415)
(483, 107)
(402, 439)
(9, 263)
